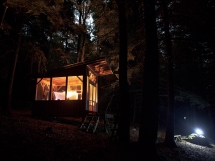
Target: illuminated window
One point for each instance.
(74, 87)
(42, 89)
(91, 92)
(92, 77)
(58, 88)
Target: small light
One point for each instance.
(199, 131)
(184, 118)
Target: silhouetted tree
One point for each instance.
(124, 126)
(150, 97)
(169, 138)
(19, 13)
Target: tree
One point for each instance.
(106, 32)
(22, 11)
(81, 35)
(124, 122)
(169, 138)
(150, 96)
(6, 109)
(193, 47)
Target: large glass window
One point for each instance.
(42, 89)
(75, 87)
(58, 88)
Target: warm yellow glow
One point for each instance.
(59, 95)
(42, 89)
(72, 95)
(74, 87)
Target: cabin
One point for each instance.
(69, 91)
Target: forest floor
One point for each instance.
(23, 137)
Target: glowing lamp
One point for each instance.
(59, 95)
(73, 95)
(199, 131)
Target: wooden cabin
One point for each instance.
(70, 91)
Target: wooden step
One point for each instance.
(90, 123)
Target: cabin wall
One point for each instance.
(62, 108)
(78, 70)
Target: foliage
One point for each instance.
(57, 33)
(191, 136)
(193, 99)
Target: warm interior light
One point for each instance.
(59, 95)
(73, 95)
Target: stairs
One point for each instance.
(90, 122)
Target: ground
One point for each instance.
(23, 137)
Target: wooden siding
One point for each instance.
(68, 108)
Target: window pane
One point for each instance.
(42, 89)
(58, 88)
(92, 77)
(75, 88)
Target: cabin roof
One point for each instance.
(99, 66)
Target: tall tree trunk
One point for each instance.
(82, 36)
(169, 138)
(150, 93)
(5, 10)
(79, 44)
(124, 122)
(83, 47)
(79, 35)
(11, 75)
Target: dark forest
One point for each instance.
(161, 53)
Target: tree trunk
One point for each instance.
(5, 10)
(124, 122)
(81, 37)
(150, 93)
(11, 75)
(169, 138)
(83, 47)
(79, 48)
